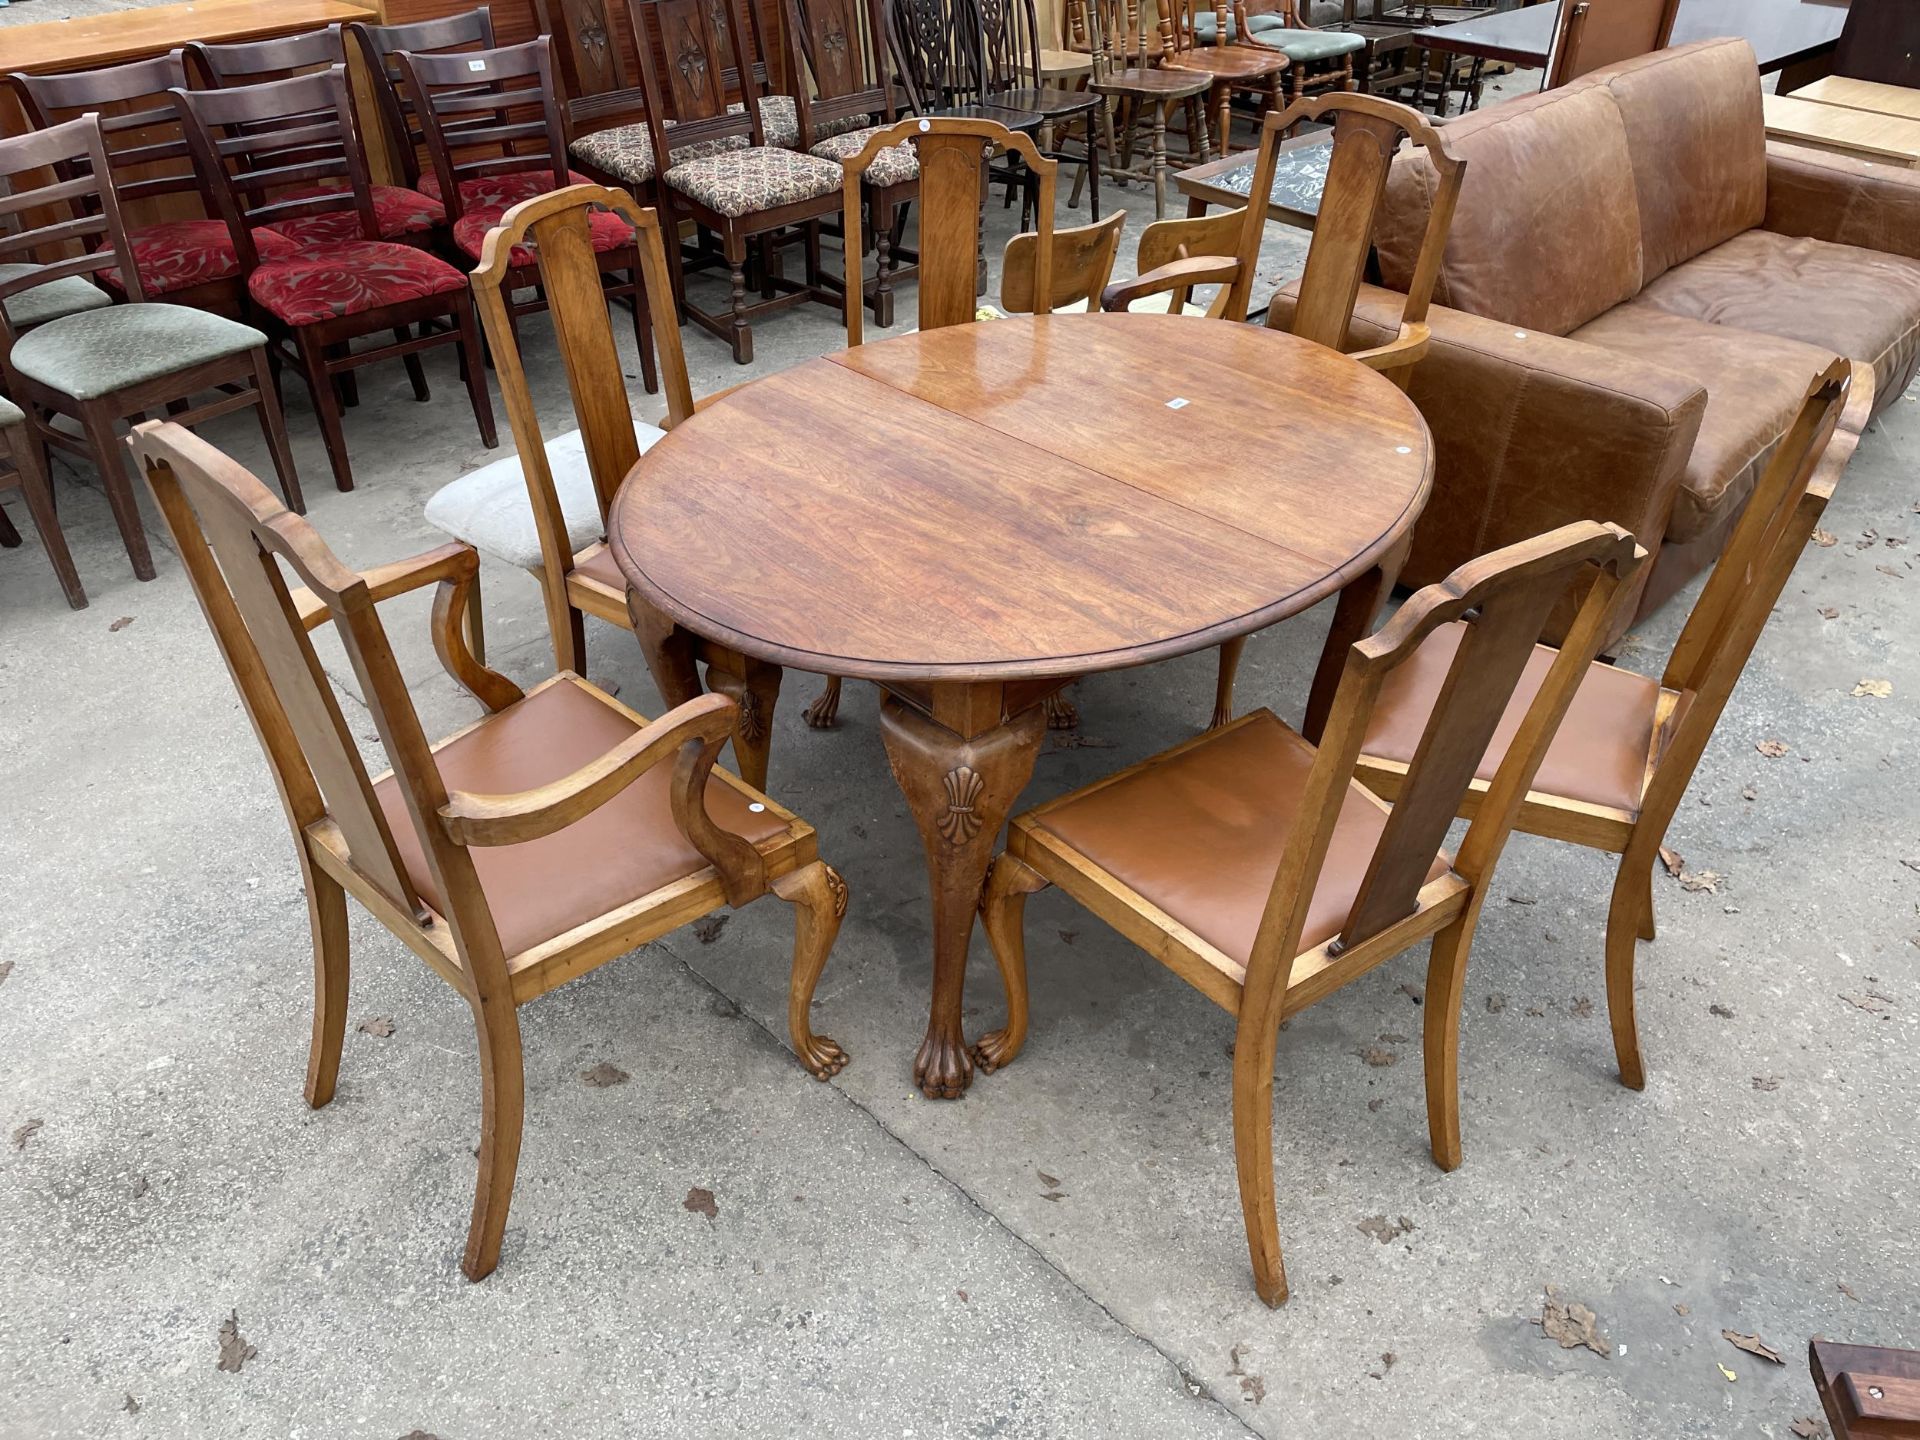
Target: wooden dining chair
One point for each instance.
(1617, 771)
(318, 302)
(1127, 75)
(1590, 34)
(1366, 133)
(508, 137)
(555, 833)
(1235, 67)
(24, 454)
(399, 212)
(1253, 864)
(1317, 59)
(1083, 259)
(1013, 61)
(101, 365)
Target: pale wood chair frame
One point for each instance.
(233, 538)
(1699, 679)
(1510, 593)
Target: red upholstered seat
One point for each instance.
(179, 254)
(397, 212)
(350, 279)
(607, 230)
(500, 192)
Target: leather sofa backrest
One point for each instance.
(1699, 147)
(1546, 234)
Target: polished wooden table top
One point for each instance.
(1782, 32)
(1023, 498)
(1888, 139)
(94, 40)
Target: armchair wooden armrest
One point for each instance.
(1181, 274)
(452, 561)
(1405, 349)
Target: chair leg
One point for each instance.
(1003, 910)
(824, 712)
(1159, 162)
(643, 333)
(1091, 172)
(30, 459)
(882, 268)
(110, 459)
(273, 426)
(1446, 985)
(471, 347)
(9, 536)
(819, 898)
(736, 252)
(415, 372)
(1230, 654)
(1253, 1047)
(326, 407)
(502, 1113)
(1645, 878)
(327, 918)
(1623, 923)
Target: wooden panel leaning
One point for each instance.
(1253, 864)
(558, 831)
(1617, 771)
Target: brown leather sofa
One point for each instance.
(1637, 291)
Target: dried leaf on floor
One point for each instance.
(139, 1187)
(1847, 1290)
(1725, 1012)
(1697, 881)
(378, 1026)
(1067, 937)
(1375, 1104)
(1825, 539)
(1253, 1388)
(604, 1075)
(1749, 794)
(1753, 1345)
(1875, 689)
(1571, 1324)
(1671, 859)
(1496, 1002)
(23, 1133)
(1581, 1008)
(1871, 1001)
(1390, 1038)
(1772, 749)
(701, 1202)
(130, 1405)
(1384, 1230)
(1683, 1310)
(1829, 612)
(1888, 570)
(1521, 900)
(1913, 864)
(1378, 1056)
(234, 1349)
(1807, 1427)
(120, 624)
(707, 930)
(1766, 1082)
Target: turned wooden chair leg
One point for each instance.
(1159, 162)
(1230, 654)
(327, 918)
(1253, 1047)
(824, 712)
(1446, 987)
(1003, 909)
(736, 253)
(819, 898)
(1623, 925)
(502, 1111)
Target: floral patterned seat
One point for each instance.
(626, 151)
(499, 193)
(896, 165)
(179, 254)
(748, 182)
(397, 212)
(607, 230)
(349, 279)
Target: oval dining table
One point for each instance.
(973, 516)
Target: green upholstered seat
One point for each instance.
(100, 351)
(68, 295)
(1301, 46)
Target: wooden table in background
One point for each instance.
(1888, 139)
(973, 516)
(1299, 177)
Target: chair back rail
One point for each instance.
(244, 62)
(1083, 259)
(485, 113)
(1590, 34)
(146, 150)
(837, 46)
(937, 49)
(251, 143)
(556, 225)
(76, 217)
(381, 45)
(952, 154)
(1507, 597)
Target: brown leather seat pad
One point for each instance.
(597, 564)
(625, 849)
(1200, 834)
(1599, 755)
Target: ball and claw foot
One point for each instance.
(942, 1069)
(995, 1051)
(824, 1058)
(824, 712)
(1062, 713)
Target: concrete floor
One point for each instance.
(1060, 1254)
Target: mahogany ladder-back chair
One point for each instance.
(1249, 68)
(399, 213)
(25, 454)
(1366, 133)
(101, 364)
(1125, 75)
(186, 261)
(1253, 865)
(501, 139)
(1590, 34)
(557, 832)
(309, 163)
(1618, 769)
(740, 195)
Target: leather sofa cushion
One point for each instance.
(1598, 756)
(1698, 145)
(1862, 304)
(1200, 834)
(1546, 234)
(1755, 385)
(627, 848)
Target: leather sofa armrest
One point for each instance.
(1532, 431)
(1849, 202)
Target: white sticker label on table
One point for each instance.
(1179, 402)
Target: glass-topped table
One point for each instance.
(1299, 177)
